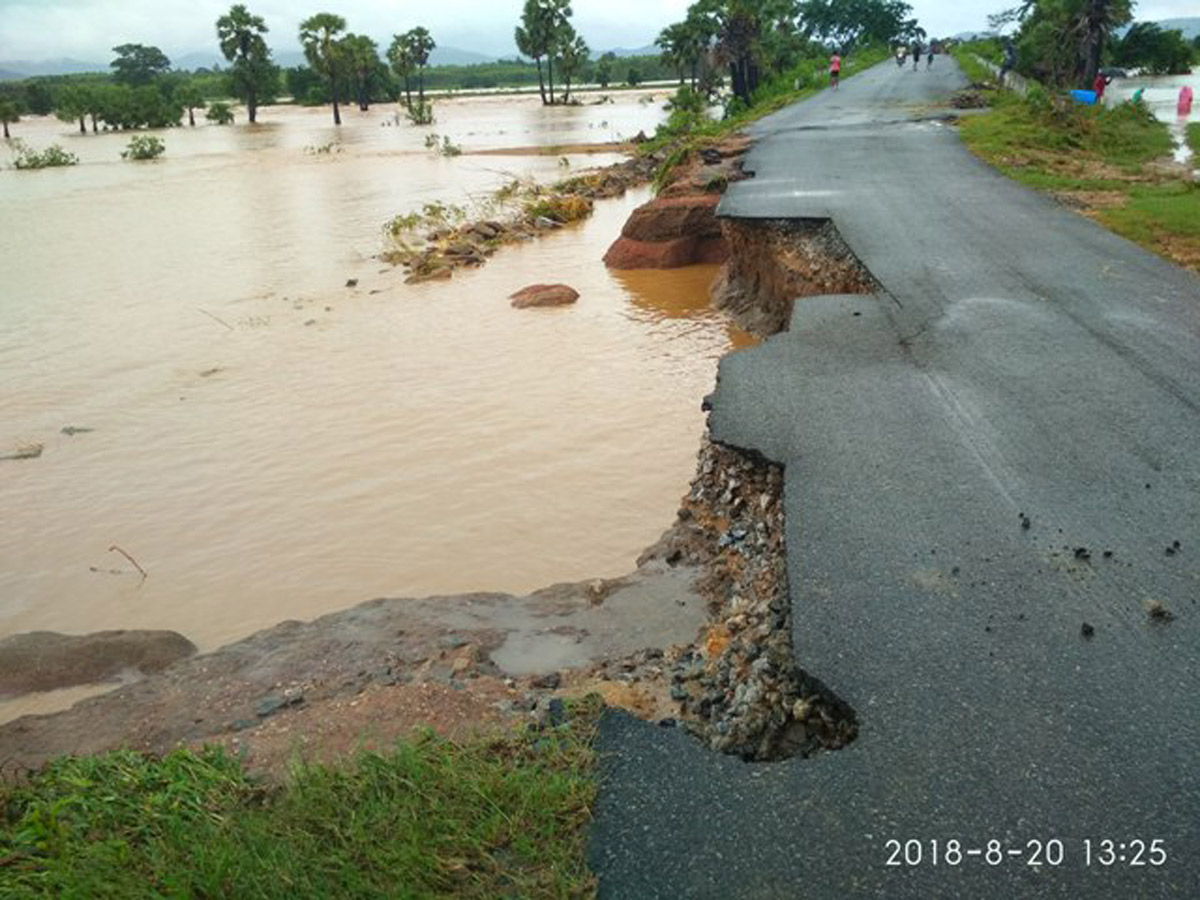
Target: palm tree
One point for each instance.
(242, 43)
(555, 15)
(671, 40)
(319, 35)
(363, 55)
(532, 41)
(574, 55)
(420, 45)
(401, 59)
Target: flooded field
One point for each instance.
(270, 443)
(1161, 94)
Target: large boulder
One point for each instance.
(544, 295)
(674, 218)
(668, 233)
(47, 660)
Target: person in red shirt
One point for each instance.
(1099, 85)
(835, 69)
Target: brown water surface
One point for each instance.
(271, 444)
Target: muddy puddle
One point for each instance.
(269, 443)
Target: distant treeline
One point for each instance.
(41, 95)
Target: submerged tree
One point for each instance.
(400, 56)
(544, 32)
(188, 95)
(10, 114)
(72, 105)
(322, 48)
(420, 45)
(252, 76)
(362, 56)
(574, 56)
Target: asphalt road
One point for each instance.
(1020, 361)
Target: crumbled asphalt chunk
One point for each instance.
(1087, 631)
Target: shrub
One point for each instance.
(559, 208)
(220, 114)
(144, 146)
(420, 113)
(52, 156)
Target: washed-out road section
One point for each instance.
(997, 448)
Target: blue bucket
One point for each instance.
(1088, 97)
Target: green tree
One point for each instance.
(604, 69)
(1155, 51)
(219, 114)
(253, 76)
(188, 95)
(739, 28)
(574, 56)
(10, 114)
(1062, 42)
(319, 35)
(420, 45)
(846, 23)
(544, 31)
(362, 56)
(137, 64)
(74, 101)
(400, 57)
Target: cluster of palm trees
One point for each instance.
(546, 34)
(333, 55)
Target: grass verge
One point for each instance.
(1104, 161)
(497, 816)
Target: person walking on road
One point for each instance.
(929, 56)
(835, 70)
(916, 54)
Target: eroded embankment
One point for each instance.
(699, 636)
(774, 262)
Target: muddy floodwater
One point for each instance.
(269, 443)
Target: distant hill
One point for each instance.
(26, 69)
(9, 75)
(648, 50)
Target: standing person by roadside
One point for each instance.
(929, 56)
(1010, 59)
(835, 69)
(1100, 83)
(916, 54)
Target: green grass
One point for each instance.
(503, 816)
(1157, 212)
(1193, 137)
(1055, 145)
(967, 57)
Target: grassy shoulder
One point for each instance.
(1107, 162)
(501, 815)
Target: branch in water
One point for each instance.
(130, 558)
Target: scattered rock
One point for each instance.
(351, 282)
(548, 682)
(268, 706)
(1158, 612)
(544, 295)
(1087, 631)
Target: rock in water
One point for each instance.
(47, 660)
(544, 295)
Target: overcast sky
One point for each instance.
(87, 29)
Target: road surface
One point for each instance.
(1020, 364)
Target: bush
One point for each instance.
(220, 114)
(420, 113)
(144, 146)
(53, 156)
(559, 208)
